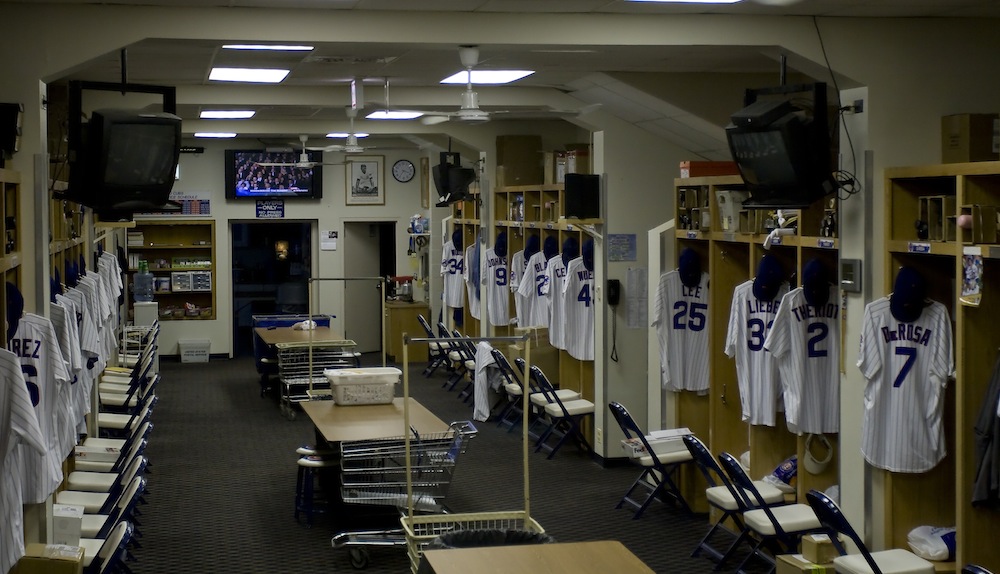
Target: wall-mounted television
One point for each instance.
(784, 146)
(451, 180)
(247, 178)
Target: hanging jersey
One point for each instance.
(453, 271)
(18, 429)
(578, 297)
(907, 366)
(805, 342)
(680, 317)
(75, 401)
(555, 271)
(532, 288)
(35, 345)
(756, 371)
(470, 286)
(496, 287)
(517, 269)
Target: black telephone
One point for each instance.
(614, 291)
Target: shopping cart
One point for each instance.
(375, 472)
(301, 366)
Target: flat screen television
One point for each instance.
(246, 178)
(783, 147)
(451, 180)
(125, 163)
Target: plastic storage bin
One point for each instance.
(194, 350)
(367, 386)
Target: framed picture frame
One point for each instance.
(366, 180)
(425, 182)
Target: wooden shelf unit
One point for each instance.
(942, 496)
(177, 246)
(731, 257)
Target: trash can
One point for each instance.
(488, 537)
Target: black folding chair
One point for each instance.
(437, 352)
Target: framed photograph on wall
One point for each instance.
(365, 180)
(425, 182)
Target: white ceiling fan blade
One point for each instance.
(434, 119)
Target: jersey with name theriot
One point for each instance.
(37, 349)
(495, 285)
(578, 296)
(907, 366)
(680, 317)
(470, 287)
(756, 370)
(805, 341)
(555, 270)
(452, 270)
(532, 287)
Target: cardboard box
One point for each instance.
(797, 564)
(730, 204)
(97, 454)
(50, 559)
(578, 158)
(708, 168)
(970, 137)
(521, 157)
(818, 548)
(554, 167)
(67, 521)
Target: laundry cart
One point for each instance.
(301, 369)
(375, 473)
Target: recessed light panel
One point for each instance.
(251, 75)
(334, 135)
(690, 1)
(217, 135)
(393, 115)
(227, 114)
(488, 76)
(271, 47)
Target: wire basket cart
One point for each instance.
(422, 529)
(301, 366)
(376, 473)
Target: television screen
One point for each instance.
(247, 178)
(451, 180)
(125, 163)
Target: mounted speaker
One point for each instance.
(11, 118)
(583, 196)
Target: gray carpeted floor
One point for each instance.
(223, 478)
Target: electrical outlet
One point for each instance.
(858, 107)
(600, 435)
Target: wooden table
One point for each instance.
(277, 335)
(598, 557)
(364, 422)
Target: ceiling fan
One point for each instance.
(304, 162)
(351, 144)
(470, 112)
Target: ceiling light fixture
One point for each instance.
(345, 134)
(217, 135)
(252, 75)
(690, 1)
(487, 76)
(272, 47)
(227, 114)
(393, 115)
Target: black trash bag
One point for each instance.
(488, 537)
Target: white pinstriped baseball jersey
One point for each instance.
(531, 288)
(805, 342)
(555, 271)
(756, 371)
(578, 297)
(680, 315)
(496, 277)
(18, 430)
(75, 401)
(37, 349)
(481, 393)
(470, 287)
(518, 265)
(90, 341)
(452, 270)
(907, 366)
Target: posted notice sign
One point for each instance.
(270, 208)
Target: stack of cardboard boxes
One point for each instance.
(817, 557)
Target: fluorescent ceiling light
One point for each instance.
(690, 1)
(273, 47)
(393, 115)
(255, 75)
(345, 134)
(227, 114)
(219, 135)
(487, 76)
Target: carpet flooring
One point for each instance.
(222, 483)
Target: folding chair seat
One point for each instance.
(113, 401)
(895, 561)
(722, 495)
(124, 446)
(103, 502)
(777, 527)
(659, 470)
(565, 418)
(90, 481)
(437, 352)
(540, 400)
(512, 413)
(106, 555)
(116, 425)
(456, 358)
(100, 525)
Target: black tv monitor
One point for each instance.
(783, 147)
(246, 178)
(125, 163)
(451, 180)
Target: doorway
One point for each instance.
(271, 265)
(369, 251)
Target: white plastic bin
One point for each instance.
(194, 350)
(367, 386)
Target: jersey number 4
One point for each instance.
(584, 295)
(689, 316)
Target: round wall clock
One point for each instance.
(403, 170)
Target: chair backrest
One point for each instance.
(133, 446)
(706, 462)
(628, 425)
(465, 346)
(126, 502)
(832, 519)
(973, 569)
(519, 361)
(504, 367)
(110, 555)
(427, 327)
(746, 494)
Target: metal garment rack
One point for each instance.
(309, 315)
(422, 529)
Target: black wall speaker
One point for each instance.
(583, 195)
(11, 117)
